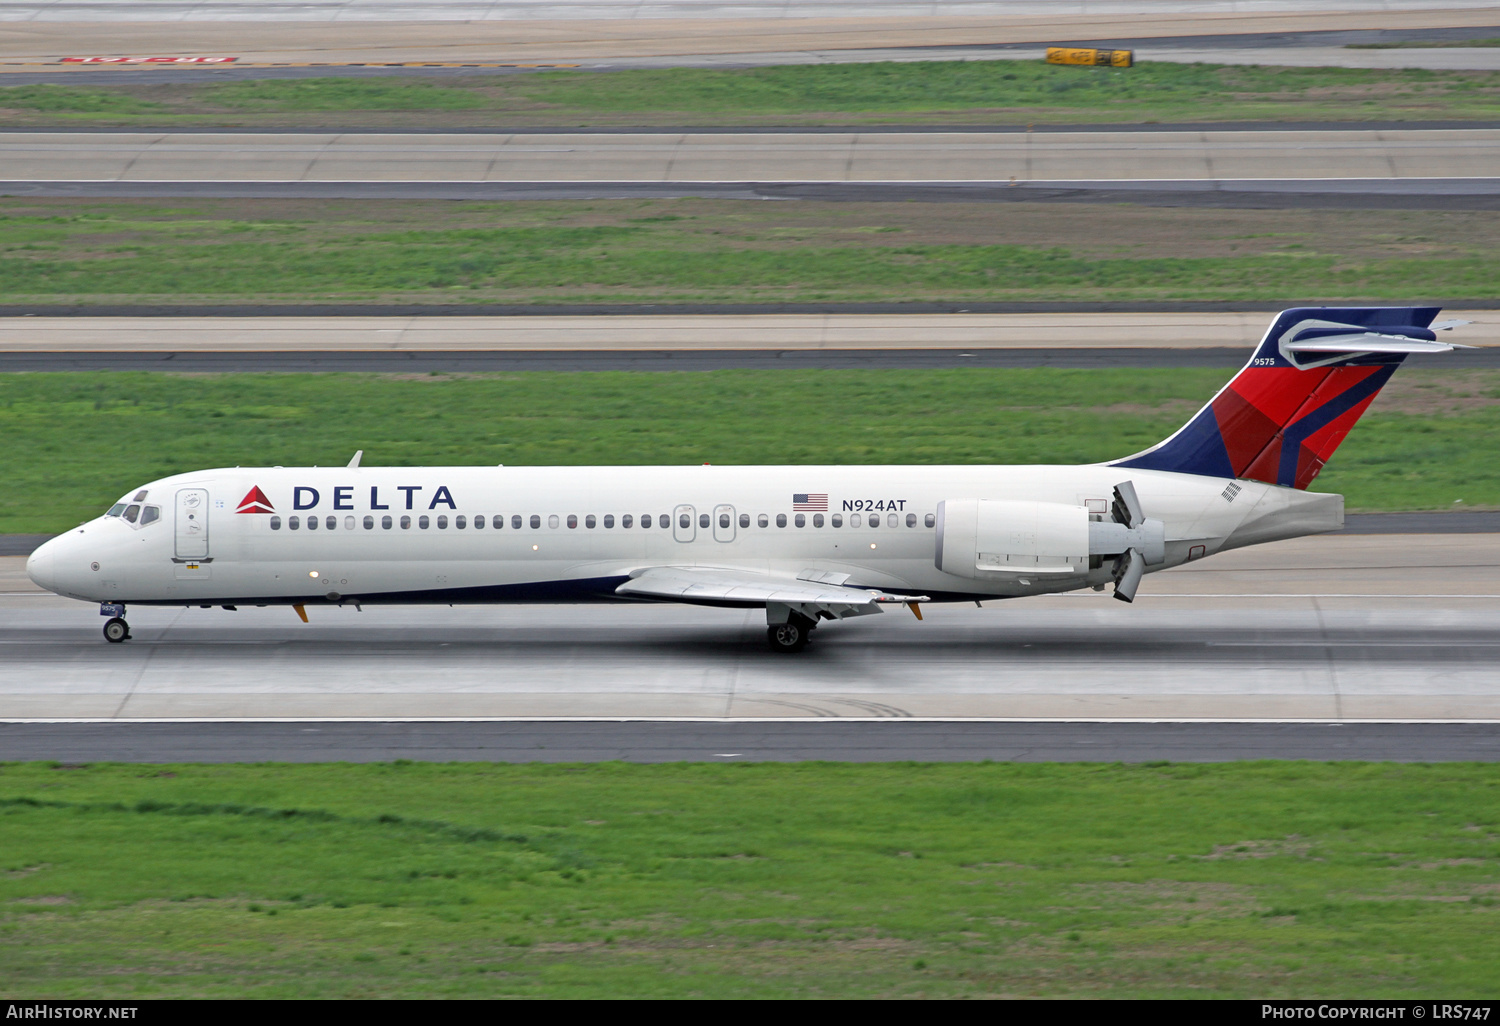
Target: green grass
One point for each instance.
(74, 442)
(1264, 880)
(729, 251)
(938, 92)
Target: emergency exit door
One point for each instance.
(192, 523)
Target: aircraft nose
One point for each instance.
(39, 567)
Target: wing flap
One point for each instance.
(747, 588)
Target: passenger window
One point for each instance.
(762, 521)
(150, 515)
(744, 519)
(645, 520)
(723, 519)
(331, 523)
(460, 522)
(140, 496)
(442, 523)
(424, 522)
(626, 521)
(781, 520)
(385, 523)
(874, 519)
(801, 520)
(536, 522)
(817, 520)
(929, 520)
(275, 523)
(406, 523)
(854, 520)
(515, 522)
(348, 523)
(664, 521)
(116, 509)
(132, 513)
(609, 520)
(590, 522)
(572, 521)
(838, 520)
(292, 523)
(686, 521)
(891, 520)
(369, 523)
(312, 523)
(703, 520)
(911, 520)
(552, 521)
(498, 522)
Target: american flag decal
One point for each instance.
(810, 502)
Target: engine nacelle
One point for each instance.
(1004, 539)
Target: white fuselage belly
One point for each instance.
(247, 561)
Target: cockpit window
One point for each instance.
(150, 515)
(140, 496)
(131, 513)
(116, 509)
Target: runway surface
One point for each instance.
(1056, 158)
(1348, 628)
(763, 741)
(1263, 194)
(679, 341)
(382, 31)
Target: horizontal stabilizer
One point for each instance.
(1370, 342)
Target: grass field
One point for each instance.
(303, 251)
(951, 92)
(811, 880)
(75, 442)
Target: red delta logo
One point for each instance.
(255, 501)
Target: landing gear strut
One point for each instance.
(791, 636)
(116, 630)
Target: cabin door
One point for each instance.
(684, 523)
(723, 523)
(192, 523)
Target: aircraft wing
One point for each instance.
(720, 587)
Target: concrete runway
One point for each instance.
(1255, 194)
(1346, 628)
(520, 31)
(754, 741)
(1057, 158)
(660, 342)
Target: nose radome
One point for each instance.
(39, 567)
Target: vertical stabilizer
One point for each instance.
(1312, 376)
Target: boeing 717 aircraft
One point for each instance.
(806, 543)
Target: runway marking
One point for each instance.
(1324, 721)
(198, 64)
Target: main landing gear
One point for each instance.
(791, 636)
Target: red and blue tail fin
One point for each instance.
(1312, 376)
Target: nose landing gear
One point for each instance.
(116, 629)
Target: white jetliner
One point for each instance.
(806, 543)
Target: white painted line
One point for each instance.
(745, 719)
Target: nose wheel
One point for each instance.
(116, 630)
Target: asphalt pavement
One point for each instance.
(763, 741)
